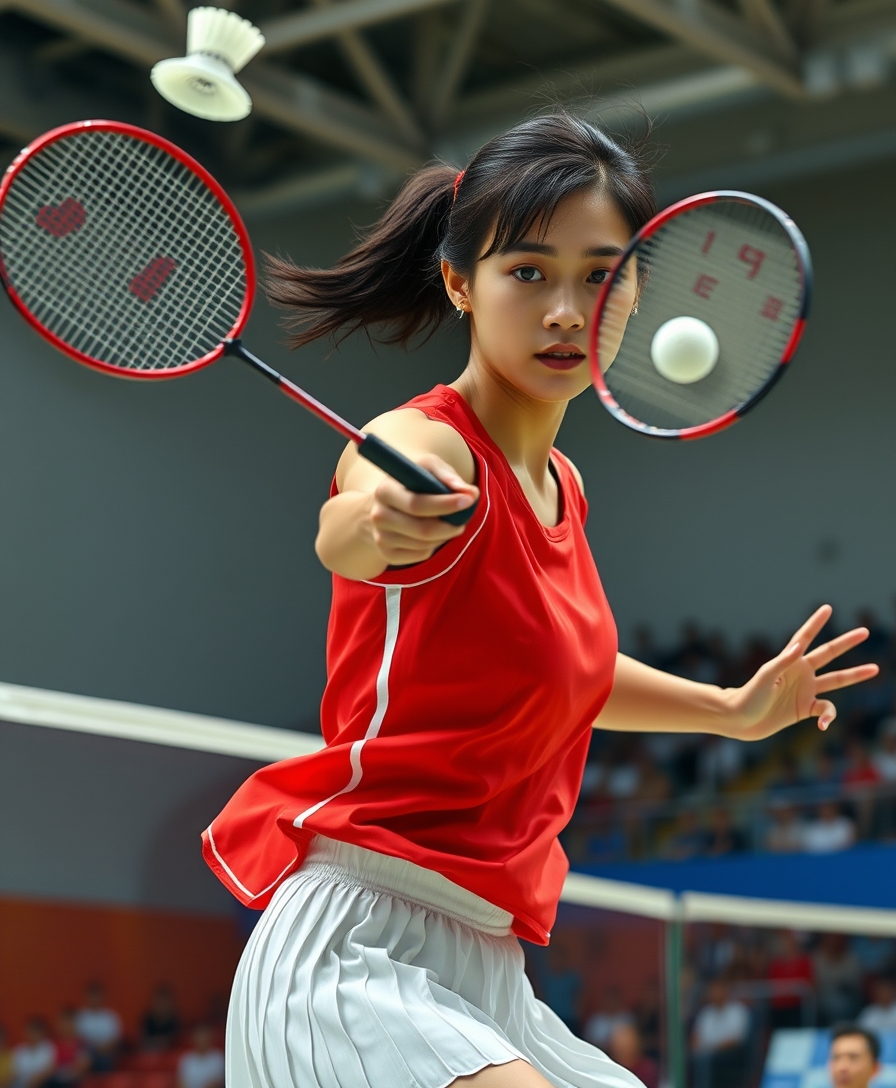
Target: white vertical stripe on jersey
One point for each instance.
(242, 887)
(393, 609)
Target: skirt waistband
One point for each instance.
(380, 872)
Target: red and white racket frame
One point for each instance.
(371, 447)
(19, 164)
(804, 264)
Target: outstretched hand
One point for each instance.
(787, 688)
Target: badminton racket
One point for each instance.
(127, 255)
(700, 315)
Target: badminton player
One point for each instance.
(399, 866)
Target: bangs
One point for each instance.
(533, 198)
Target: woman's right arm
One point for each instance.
(374, 522)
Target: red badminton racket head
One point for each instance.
(700, 315)
(123, 251)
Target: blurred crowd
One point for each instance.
(680, 796)
(739, 985)
(87, 1047)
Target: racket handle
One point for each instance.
(393, 463)
(410, 475)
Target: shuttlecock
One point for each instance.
(219, 44)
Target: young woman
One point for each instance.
(399, 865)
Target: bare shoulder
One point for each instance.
(575, 473)
(412, 433)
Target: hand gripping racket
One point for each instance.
(128, 256)
(700, 315)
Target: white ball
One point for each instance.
(684, 350)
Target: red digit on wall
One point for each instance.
(705, 285)
(752, 257)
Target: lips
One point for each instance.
(561, 356)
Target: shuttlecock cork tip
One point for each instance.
(223, 34)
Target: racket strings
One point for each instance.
(118, 180)
(731, 265)
(122, 252)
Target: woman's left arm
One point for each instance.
(785, 690)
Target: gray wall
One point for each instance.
(156, 538)
(101, 820)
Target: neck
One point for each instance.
(523, 429)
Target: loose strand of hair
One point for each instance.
(389, 282)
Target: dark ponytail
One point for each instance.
(392, 279)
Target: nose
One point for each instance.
(565, 312)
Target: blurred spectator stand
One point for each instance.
(838, 979)
(33, 1060)
(625, 1047)
(72, 1058)
(791, 974)
(161, 1021)
(203, 1065)
(99, 1028)
(830, 831)
(612, 1014)
(880, 1015)
(7, 1071)
(798, 1058)
(719, 1040)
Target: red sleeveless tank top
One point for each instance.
(458, 709)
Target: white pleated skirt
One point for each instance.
(366, 971)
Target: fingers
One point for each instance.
(784, 660)
(399, 533)
(407, 527)
(824, 654)
(843, 678)
(389, 493)
(809, 630)
(824, 710)
(446, 473)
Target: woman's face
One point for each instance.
(531, 306)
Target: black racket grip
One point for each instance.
(409, 475)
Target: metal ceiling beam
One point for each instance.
(296, 102)
(375, 79)
(598, 78)
(806, 18)
(174, 12)
(305, 27)
(457, 61)
(765, 19)
(115, 26)
(300, 192)
(426, 52)
(833, 23)
(714, 32)
(309, 189)
(305, 106)
(30, 106)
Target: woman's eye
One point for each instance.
(599, 275)
(527, 274)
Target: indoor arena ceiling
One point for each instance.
(349, 95)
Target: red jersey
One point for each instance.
(787, 969)
(460, 698)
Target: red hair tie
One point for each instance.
(457, 182)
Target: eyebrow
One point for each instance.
(550, 251)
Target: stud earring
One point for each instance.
(460, 312)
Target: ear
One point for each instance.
(457, 287)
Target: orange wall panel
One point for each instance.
(49, 950)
